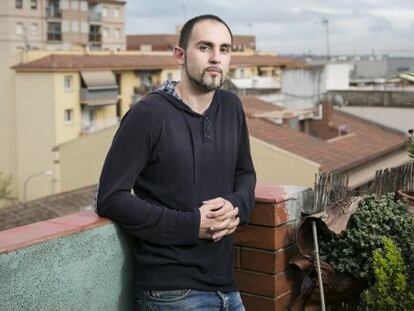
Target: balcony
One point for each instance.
(54, 36)
(83, 262)
(88, 127)
(88, 94)
(95, 16)
(53, 12)
(95, 38)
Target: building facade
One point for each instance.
(62, 24)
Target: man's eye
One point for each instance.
(204, 48)
(225, 50)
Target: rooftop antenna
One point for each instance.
(250, 25)
(325, 22)
(184, 8)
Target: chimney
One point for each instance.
(327, 111)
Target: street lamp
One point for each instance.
(26, 182)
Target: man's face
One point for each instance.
(207, 57)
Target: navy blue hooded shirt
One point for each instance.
(174, 159)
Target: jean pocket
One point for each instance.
(168, 295)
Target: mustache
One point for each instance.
(214, 68)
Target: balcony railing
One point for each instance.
(53, 12)
(88, 127)
(87, 94)
(54, 36)
(95, 37)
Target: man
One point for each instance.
(184, 150)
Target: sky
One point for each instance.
(292, 27)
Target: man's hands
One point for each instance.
(218, 219)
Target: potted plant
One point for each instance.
(356, 250)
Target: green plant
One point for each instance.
(351, 251)
(5, 193)
(391, 290)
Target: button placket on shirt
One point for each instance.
(207, 129)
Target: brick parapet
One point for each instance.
(265, 246)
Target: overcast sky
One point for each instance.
(283, 26)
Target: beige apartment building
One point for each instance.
(28, 26)
(66, 102)
(62, 24)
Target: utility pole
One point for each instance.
(250, 25)
(325, 22)
(184, 8)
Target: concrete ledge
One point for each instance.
(76, 262)
(84, 262)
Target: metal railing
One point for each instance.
(53, 11)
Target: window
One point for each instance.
(54, 32)
(19, 4)
(116, 12)
(19, 28)
(75, 4)
(84, 6)
(117, 33)
(68, 83)
(105, 32)
(105, 11)
(91, 115)
(33, 4)
(34, 29)
(68, 115)
(95, 33)
(75, 26)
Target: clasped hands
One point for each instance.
(218, 218)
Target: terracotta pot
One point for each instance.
(409, 195)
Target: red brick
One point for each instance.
(256, 283)
(266, 237)
(237, 257)
(270, 193)
(266, 284)
(283, 301)
(258, 260)
(284, 255)
(268, 214)
(258, 303)
(267, 261)
(261, 303)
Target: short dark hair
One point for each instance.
(189, 25)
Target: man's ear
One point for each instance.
(178, 54)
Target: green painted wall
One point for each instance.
(87, 271)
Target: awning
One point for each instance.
(99, 80)
(99, 102)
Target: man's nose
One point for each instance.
(215, 56)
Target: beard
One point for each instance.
(202, 81)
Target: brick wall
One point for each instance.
(266, 245)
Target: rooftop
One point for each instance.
(45, 208)
(252, 106)
(65, 62)
(366, 140)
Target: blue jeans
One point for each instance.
(188, 300)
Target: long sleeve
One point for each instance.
(128, 155)
(244, 178)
